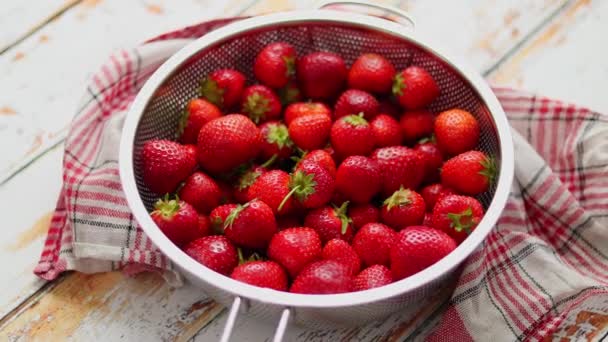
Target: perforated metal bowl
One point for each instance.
(155, 114)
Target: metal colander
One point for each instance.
(156, 112)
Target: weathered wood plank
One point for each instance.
(567, 60)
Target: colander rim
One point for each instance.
(286, 299)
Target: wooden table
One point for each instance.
(48, 48)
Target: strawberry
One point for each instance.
(298, 109)
(289, 94)
(312, 186)
(470, 173)
(201, 192)
(359, 179)
(400, 166)
(362, 214)
(373, 243)
(267, 274)
(433, 160)
(310, 132)
(251, 224)
(432, 193)
(275, 65)
(417, 248)
(389, 107)
(294, 248)
(260, 103)
(403, 209)
(275, 140)
(372, 277)
(226, 191)
(321, 75)
(204, 225)
(320, 157)
(428, 220)
(456, 131)
(341, 251)
(272, 188)
(284, 222)
(228, 142)
(244, 183)
(352, 135)
(330, 223)
(415, 88)
(417, 124)
(355, 102)
(457, 215)
(165, 164)
(215, 252)
(373, 73)
(323, 277)
(177, 219)
(223, 88)
(218, 216)
(386, 130)
(197, 113)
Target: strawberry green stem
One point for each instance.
(269, 161)
(166, 207)
(344, 219)
(463, 221)
(234, 215)
(398, 198)
(287, 197)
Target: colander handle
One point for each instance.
(234, 311)
(363, 3)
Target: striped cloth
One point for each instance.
(541, 274)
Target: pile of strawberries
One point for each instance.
(331, 179)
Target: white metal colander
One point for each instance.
(156, 113)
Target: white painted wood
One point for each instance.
(566, 61)
(19, 17)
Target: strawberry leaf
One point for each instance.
(398, 198)
(398, 85)
(463, 221)
(489, 169)
(278, 134)
(212, 92)
(356, 120)
(256, 106)
(183, 122)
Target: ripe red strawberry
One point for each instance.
(228, 142)
(433, 159)
(417, 248)
(372, 277)
(298, 109)
(373, 243)
(218, 216)
(415, 88)
(311, 185)
(352, 135)
(320, 157)
(400, 166)
(197, 113)
(359, 179)
(165, 164)
(321, 75)
(330, 223)
(284, 222)
(204, 225)
(267, 274)
(456, 131)
(417, 124)
(272, 188)
(215, 252)
(310, 132)
(251, 224)
(323, 277)
(432, 193)
(223, 88)
(290, 93)
(387, 131)
(457, 215)
(261, 104)
(275, 140)
(275, 65)
(341, 251)
(201, 192)
(362, 214)
(355, 102)
(373, 73)
(177, 219)
(294, 248)
(245, 181)
(403, 209)
(428, 220)
(470, 173)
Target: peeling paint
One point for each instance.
(43, 38)
(18, 56)
(7, 111)
(35, 144)
(37, 230)
(154, 9)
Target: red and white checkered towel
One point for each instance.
(542, 273)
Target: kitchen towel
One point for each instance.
(542, 272)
